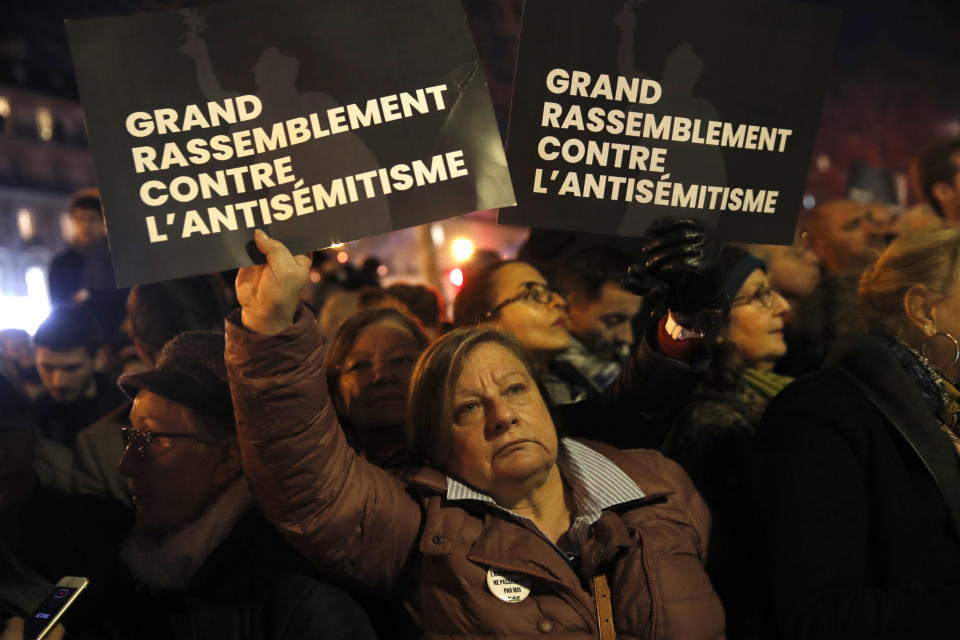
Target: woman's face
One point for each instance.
(541, 327)
(503, 435)
(754, 328)
(375, 375)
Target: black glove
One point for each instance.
(676, 269)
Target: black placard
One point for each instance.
(319, 121)
(625, 111)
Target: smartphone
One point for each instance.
(48, 614)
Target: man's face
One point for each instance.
(948, 193)
(179, 474)
(844, 237)
(603, 323)
(66, 375)
(87, 225)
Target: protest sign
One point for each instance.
(628, 110)
(319, 121)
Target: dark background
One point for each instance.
(894, 85)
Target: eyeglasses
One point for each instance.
(765, 295)
(140, 440)
(535, 291)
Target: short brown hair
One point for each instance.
(936, 164)
(86, 199)
(928, 256)
(430, 409)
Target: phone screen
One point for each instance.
(48, 611)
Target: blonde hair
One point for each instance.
(926, 256)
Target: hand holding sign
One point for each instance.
(321, 122)
(269, 292)
(675, 269)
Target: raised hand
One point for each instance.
(676, 266)
(268, 293)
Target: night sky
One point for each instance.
(893, 89)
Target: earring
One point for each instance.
(956, 348)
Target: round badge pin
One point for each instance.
(507, 586)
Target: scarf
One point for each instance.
(170, 562)
(941, 395)
(766, 384)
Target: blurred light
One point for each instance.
(315, 277)
(951, 128)
(342, 257)
(66, 226)
(382, 270)
(809, 202)
(456, 277)
(436, 233)
(44, 123)
(823, 162)
(335, 245)
(462, 249)
(4, 107)
(25, 223)
(26, 312)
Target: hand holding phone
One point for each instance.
(14, 631)
(42, 622)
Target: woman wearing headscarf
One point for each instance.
(714, 437)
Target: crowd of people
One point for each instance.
(662, 438)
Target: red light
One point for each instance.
(456, 277)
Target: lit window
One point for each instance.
(66, 226)
(436, 234)
(4, 107)
(44, 123)
(36, 283)
(26, 312)
(25, 223)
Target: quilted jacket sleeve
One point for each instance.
(691, 608)
(348, 517)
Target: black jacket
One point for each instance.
(251, 587)
(863, 505)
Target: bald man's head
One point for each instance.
(845, 234)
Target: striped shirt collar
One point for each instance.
(597, 484)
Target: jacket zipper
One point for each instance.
(644, 562)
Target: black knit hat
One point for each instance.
(191, 371)
(734, 266)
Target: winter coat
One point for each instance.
(356, 521)
(250, 587)
(714, 440)
(863, 505)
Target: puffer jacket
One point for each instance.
(359, 523)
